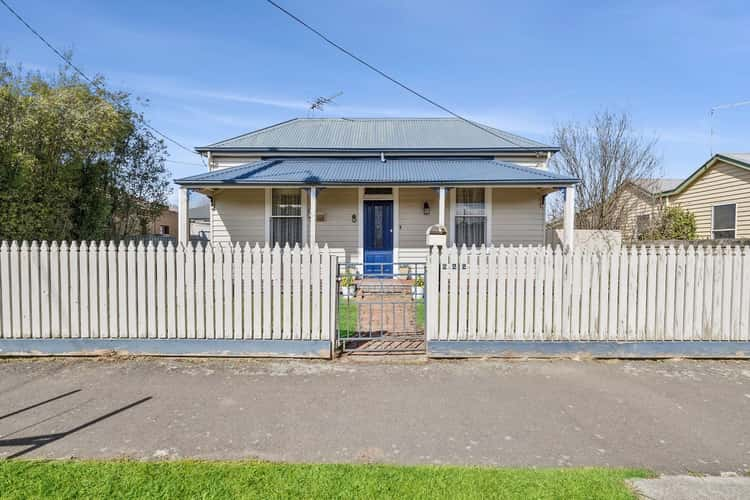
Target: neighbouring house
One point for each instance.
(370, 188)
(641, 202)
(200, 227)
(717, 193)
(165, 224)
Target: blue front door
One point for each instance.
(378, 237)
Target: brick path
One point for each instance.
(387, 314)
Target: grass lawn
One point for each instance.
(207, 480)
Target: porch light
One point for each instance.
(354, 218)
(426, 208)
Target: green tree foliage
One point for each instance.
(673, 223)
(76, 162)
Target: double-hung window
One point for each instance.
(471, 217)
(723, 221)
(286, 216)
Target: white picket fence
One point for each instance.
(107, 291)
(630, 294)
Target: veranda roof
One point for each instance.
(374, 171)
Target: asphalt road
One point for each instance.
(671, 416)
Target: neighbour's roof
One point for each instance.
(362, 171)
(656, 186)
(740, 160)
(740, 157)
(199, 211)
(377, 134)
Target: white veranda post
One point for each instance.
(183, 224)
(313, 213)
(569, 217)
(441, 207)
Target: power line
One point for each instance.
(94, 83)
(382, 73)
(185, 163)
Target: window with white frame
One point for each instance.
(471, 217)
(723, 221)
(286, 216)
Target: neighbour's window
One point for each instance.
(286, 217)
(724, 217)
(164, 230)
(642, 225)
(471, 217)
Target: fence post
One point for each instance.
(286, 288)
(745, 302)
(35, 290)
(306, 285)
(5, 295)
(690, 290)
(434, 304)
(45, 281)
(296, 292)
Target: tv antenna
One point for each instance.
(321, 102)
(713, 112)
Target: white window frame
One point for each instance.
(487, 212)
(301, 216)
(733, 229)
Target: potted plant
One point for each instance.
(348, 288)
(417, 289)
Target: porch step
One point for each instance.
(387, 286)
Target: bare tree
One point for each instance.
(607, 154)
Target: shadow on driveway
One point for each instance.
(36, 442)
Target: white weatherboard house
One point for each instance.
(369, 188)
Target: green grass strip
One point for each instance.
(207, 480)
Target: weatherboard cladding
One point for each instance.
(359, 171)
(387, 134)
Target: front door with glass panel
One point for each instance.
(378, 237)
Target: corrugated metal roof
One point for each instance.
(360, 171)
(739, 160)
(741, 157)
(303, 134)
(656, 186)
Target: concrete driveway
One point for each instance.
(672, 417)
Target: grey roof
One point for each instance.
(741, 157)
(655, 186)
(362, 171)
(377, 134)
(199, 211)
(740, 160)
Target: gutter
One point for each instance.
(376, 151)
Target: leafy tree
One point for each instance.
(74, 160)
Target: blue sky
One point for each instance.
(212, 70)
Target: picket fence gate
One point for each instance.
(111, 290)
(636, 293)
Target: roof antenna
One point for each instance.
(319, 103)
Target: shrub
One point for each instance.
(675, 223)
